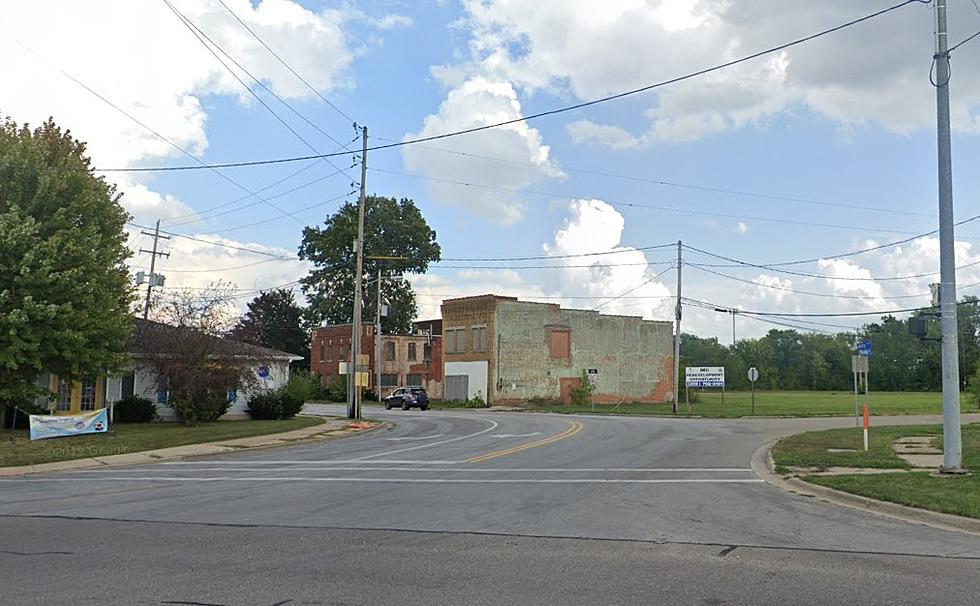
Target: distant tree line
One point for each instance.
(794, 360)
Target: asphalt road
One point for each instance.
(475, 507)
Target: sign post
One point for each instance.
(859, 366)
(706, 377)
(753, 376)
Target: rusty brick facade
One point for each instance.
(539, 350)
(405, 359)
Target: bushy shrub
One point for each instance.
(20, 417)
(280, 404)
(202, 408)
(582, 395)
(134, 409)
(304, 385)
(337, 392)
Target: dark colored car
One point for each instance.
(407, 397)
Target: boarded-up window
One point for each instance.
(389, 380)
(479, 338)
(559, 342)
(389, 351)
(412, 352)
(455, 340)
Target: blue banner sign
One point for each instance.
(44, 426)
(864, 348)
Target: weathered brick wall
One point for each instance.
(634, 356)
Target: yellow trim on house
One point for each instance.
(75, 400)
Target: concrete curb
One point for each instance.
(762, 465)
(323, 431)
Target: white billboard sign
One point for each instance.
(704, 376)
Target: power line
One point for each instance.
(565, 256)
(201, 163)
(635, 288)
(299, 210)
(718, 190)
(522, 267)
(801, 292)
(198, 33)
(551, 112)
(683, 211)
(283, 62)
(221, 244)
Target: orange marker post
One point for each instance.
(865, 426)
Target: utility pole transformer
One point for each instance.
(677, 331)
(354, 401)
(952, 448)
(153, 279)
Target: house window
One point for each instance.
(413, 380)
(427, 353)
(479, 340)
(63, 400)
(322, 351)
(559, 343)
(329, 353)
(389, 351)
(340, 353)
(389, 380)
(87, 400)
(455, 340)
(412, 352)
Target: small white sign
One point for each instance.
(704, 376)
(753, 374)
(593, 375)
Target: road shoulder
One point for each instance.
(330, 428)
(762, 464)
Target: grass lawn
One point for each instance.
(125, 438)
(958, 495)
(779, 404)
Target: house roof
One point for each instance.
(146, 335)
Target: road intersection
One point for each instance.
(685, 488)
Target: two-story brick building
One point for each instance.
(414, 359)
(505, 350)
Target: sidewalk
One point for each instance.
(328, 429)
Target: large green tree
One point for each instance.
(64, 286)
(275, 320)
(392, 228)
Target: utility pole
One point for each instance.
(354, 402)
(153, 279)
(677, 331)
(952, 449)
(377, 339)
(734, 311)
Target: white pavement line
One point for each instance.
(515, 435)
(315, 462)
(493, 426)
(401, 480)
(220, 467)
(419, 469)
(416, 438)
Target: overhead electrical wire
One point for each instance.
(635, 288)
(283, 62)
(551, 112)
(689, 186)
(143, 125)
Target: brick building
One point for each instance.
(414, 359)
(506, 350)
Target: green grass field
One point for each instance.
(958, 495)
(780, 404)
(124, 438)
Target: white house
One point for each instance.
(271, 368)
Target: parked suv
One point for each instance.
(407, 397)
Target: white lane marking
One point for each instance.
(315, 462)
(493, 426)
(515, 435)
(415, 469)
(416, 437)
(403, 480)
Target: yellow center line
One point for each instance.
(573, 428)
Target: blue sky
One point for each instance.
(845, 121)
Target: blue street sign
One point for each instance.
(864, 348)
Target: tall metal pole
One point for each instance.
(153, 265)
(354, 404)
(377, 340)
(677, 332)
(952, 449)
(733, 325)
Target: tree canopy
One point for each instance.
(65, 290)
(275, 320)
(392, 228)
(792, 360)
